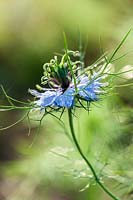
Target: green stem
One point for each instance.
(85, 159)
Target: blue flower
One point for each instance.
(65, 88)
(88, 90)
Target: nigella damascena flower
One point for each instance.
(67, 82)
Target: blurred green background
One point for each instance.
(30, 34)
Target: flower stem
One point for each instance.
(85, 159)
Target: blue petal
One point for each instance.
(66, 99)
(87, 89)
(46, 98)
(35, 93)
(88, 94)
(83, 79)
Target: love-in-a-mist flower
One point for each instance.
(67, 82)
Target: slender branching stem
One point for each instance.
(85, 158)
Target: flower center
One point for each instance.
(58, 73)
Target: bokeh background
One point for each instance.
(30, 34)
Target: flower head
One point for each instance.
(67, 82)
